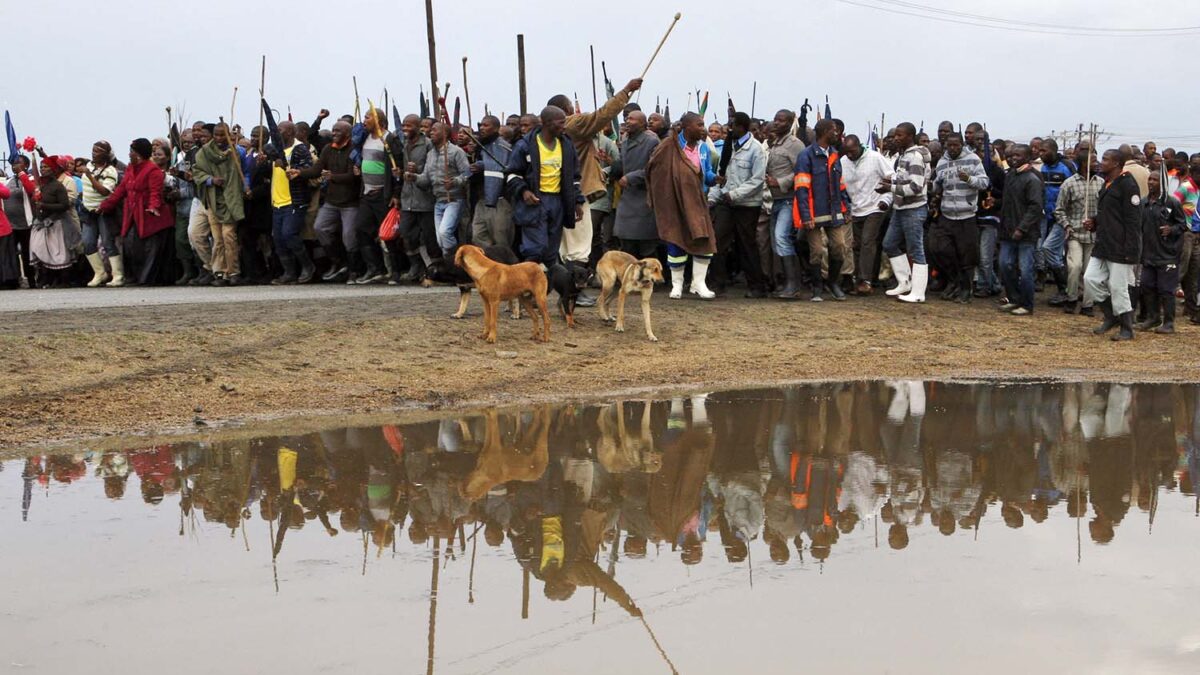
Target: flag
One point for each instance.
(610, 92)
(396, 118)
(667, 113)
(176, 140)
(729, 105)
(424, 105)
(12, 137)
(457, 111)
(703, 104)
(828, 114)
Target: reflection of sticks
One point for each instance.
(271, 545)
(364, 568)
(471, 577)
(433, 589)
(750, 563)
(1078, 535)
(245, 539)
(662, 652)
(524, 593)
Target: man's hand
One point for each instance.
(1165, 230)
(883, 206)
(810, 225)
(725, 199)
(1090, 224)
(323, 114)
(530, 198)
(603, 156)
(885, 185)
(218, 181)
(1018, 235)
(578, 212)
(721, 181)
(448, 183)
(394, 203)
(771, 181)
(292, 174)
(624, 182)
(247, 194)
(963, 176)
(476, 169)
(357, 170)
(153, 212)
(326, 174)
(634, 85)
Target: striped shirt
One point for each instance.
(374, 165)
(106, 177)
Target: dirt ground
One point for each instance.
(81, 376)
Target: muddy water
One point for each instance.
(859, 528)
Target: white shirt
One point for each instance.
(861, 178)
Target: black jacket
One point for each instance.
(1157, 250)
(344, 187)
(524, 175)
(1022, 206)
(1119, 222)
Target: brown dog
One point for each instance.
(496, 282)
(631, 276)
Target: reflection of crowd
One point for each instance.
(573, 488)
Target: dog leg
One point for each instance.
(527, 303)
(464, 298)
(571, 313)
(541, 304)
(621, 310)
(514, 309)
(490, 307)
(646, 293)
(602, 303)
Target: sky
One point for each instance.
(152, 54)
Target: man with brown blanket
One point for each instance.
(677, 177)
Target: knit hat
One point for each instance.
(142, 147)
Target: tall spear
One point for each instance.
(521, 72)
(753, 98)
(262, 94)
(595, 99)
(433, 77)
(467, 95)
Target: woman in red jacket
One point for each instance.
(149, 220)
(10, 266)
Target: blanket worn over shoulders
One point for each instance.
(676, 194)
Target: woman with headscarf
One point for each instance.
(147, 216)
(55, 241)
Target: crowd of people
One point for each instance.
(796, 469)
(792, 211)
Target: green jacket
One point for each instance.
(226, 203)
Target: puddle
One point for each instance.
(865, 527)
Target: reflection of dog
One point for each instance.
(498, 463)
(459, 277)
(497, 281)
(632, 276)
(622, 449)
(567, 280)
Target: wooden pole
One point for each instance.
(262, 94)
(595, 99)
(467, 95)
(433, 76)
(524, 593)
(521, 73)
(753, 98)
(661, 43)
(357, 106)
(471, 578)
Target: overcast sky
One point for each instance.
(135, 57)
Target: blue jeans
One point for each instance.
(99, 227)
(783, 229)
(445, 221)
(985, 274)
(286, 224)
(1017, 270)
(1053, 247)
(907, 225)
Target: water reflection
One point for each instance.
(790, 473)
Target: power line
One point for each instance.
(979, 21)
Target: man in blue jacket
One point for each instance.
(822, 205)
(542, 184)
(1056, 169)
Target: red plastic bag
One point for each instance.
(389, 229)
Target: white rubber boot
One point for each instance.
(699, 273)
(920, 281)
(676, 283)
(118, 272)
(903, 275)
(99, 274)
(898, 410)
(916, 398)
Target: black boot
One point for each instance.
(835, 279)
(289, 273)
(966, 278)
(1168, 314)
(1153, 318)
(1070, 307)
(950, 292)
(1110, 321)
(307, 269)
(1126, 333)
(337, 271)
(817, 288)
(1060, 280)
(1135, 300)
(189, 272)
(416, 268)
(791, 278)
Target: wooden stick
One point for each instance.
(753, 98)
(521, 73)
(433, 590)
(524, 593)
(678, 16)
(471, 577)
(467, 95)
(262, 94)
(357, 105)
(433, 76)
(595, 99)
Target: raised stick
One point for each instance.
(467, 95)
(521, 72)
(262, 94)
(678, 16)
(433, 77)
(595, 99)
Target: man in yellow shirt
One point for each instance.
(542, 184)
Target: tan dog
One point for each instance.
(497, 282)
(631, 276)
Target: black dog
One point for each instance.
(567, 280)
